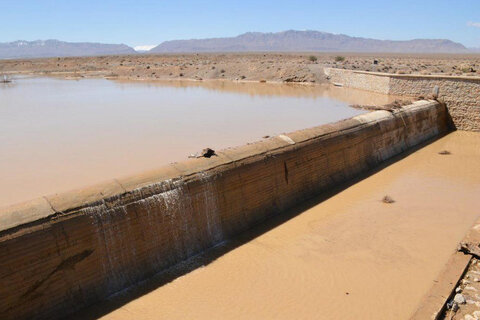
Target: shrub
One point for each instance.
(339, 58)
(467, 69)
(312, 58)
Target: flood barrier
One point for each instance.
(64, 252)
(461, 94)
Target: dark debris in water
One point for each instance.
(206, 153)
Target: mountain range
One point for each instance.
(56, 48)
(286, 41)
(308, 41)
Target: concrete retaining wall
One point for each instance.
(61, 253)
(460, 94)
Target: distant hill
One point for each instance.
(56, 48)
(307, 41)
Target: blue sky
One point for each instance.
(144, 22)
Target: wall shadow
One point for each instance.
(450, 123)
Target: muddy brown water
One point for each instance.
(350, 256)
(57, 135)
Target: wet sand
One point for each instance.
(350, 256)
(57, 135)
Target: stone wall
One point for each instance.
(460, 94)
(61, 253)
(359, 80)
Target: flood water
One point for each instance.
(350, 256)
(57, 135)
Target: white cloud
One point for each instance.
(144, 47)
(473, 24)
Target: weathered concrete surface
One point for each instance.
(460, 94)
(89, 244)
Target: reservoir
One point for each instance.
(57, 135)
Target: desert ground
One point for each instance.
(272, 67)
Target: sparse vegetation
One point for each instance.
(339, 58)
(388, 199)
(272, 67)
(467, 69)
(313, 58)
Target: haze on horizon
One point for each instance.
(146, 23)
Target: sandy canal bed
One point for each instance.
(349, 256)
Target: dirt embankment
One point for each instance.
(246, 67)
(274, 67)
(423, 64)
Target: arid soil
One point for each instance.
(254, 67)
(274, 67)
(466, 65)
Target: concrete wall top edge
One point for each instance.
(410, 76)
(24, 213)
(374, 116)
(15, 216)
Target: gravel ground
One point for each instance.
(274, 67)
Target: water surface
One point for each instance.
(57, 135)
